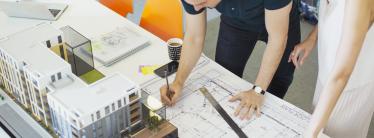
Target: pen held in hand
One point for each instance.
(169, 93)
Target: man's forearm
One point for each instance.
(270, 61)
(191, 52)
(192, 45)
(276, 22)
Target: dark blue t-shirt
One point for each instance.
(248, 14)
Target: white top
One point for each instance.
(27, 47)
(96, 96)
(330, 30)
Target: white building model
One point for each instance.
(43, 83)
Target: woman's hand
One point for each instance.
(304, 48)
(301, 52)
(250, 102)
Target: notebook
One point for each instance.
(117, 45)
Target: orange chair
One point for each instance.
(164, 18)
(122, 7)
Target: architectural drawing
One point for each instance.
(118, 44)
(195, 117)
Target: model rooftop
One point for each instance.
(26, 46)
(87, 100)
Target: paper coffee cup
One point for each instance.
(174, 48)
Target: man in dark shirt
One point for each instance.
(243, 23)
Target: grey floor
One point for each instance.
(302, 89)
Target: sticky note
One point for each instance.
(147, 69)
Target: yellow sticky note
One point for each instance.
(148, 69)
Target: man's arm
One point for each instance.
(277, 22)
(355, 26)
(193, 44)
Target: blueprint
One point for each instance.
(195, 117)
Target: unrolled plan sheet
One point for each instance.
(194, 116)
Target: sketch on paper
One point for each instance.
(114, 46)
(195, 117)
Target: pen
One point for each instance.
(167, 81)
(168, 92)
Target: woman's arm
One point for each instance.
(355, 26)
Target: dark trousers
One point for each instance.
(234, 47)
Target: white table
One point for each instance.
(92, 19)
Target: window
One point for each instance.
(98, 115)
(59, 76)
(53, 78)
(93, 127)
(113, 107)
(59, 38)
(35, 83)
(107, 110)
(92, 117)
(99, 126)
(76, 114)
(119, 103)
(48, 44)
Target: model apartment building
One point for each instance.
(35, 71)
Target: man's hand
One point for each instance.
(170, 98)
(250, 102)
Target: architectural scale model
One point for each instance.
(41, 68)
(15, 122)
